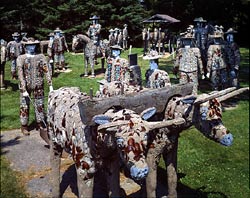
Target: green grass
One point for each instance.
(205, 168)
(10, 185)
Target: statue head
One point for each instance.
(16, 36)
(31, 46)
(94, 19)
(230, 35)
(116, 51)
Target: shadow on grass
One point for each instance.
(14, 86)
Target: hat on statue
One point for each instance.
(15, 34)
(230, 31)
(116, 47)
(152, 55)
(94, 17)
(31, 41)
(57, 30)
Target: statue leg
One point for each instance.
(55, 160)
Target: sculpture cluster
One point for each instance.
(121, 136)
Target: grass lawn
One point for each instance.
(205, 168)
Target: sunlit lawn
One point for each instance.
(206, 169)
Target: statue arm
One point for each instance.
(46, 69)
(200, 65)
(20, 64)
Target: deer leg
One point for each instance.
(86, 67)
(170, 159)
(92, 63)
(85, 185)
(151, 180)
(103, 62)
(55, 160)
(113, 177)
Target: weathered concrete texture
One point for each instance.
(29, 156)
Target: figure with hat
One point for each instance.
(14, 49)
(188, 63)
(94, 30)
(233, 55)
(155, 78)
(50, 52)
(3, 46)
(117, 67)
(125, 36)
(32, 67)
(59, 47)
(111, 37)
(201, 36)
(116, 33)
(216, 62)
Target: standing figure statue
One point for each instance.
(3, 45)
(94, 30)
(125, 37)
(155, 78)
(201, 36)
(233, 55)
(216, 63)
(111, 37)
(116, 33)
(188, 62)
(50, 52)
(31, 68)
(145, 40)
(117, 67)
(14, 49)
(59, 47)
(120, 39)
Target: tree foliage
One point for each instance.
(40, 17)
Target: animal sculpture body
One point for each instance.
(205, 113)
(91, 51)
(121, 133)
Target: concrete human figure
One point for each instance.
(111, 37)
(233, 56)
(116, 33)
(216, 63)
(221, 30)
(120, 39)
(50, 52)
(145, 40)
(94, 30)
(14, 49)
(125, 37)
(155, 77)
(32, 67)
(117, 67)
(188, 62)
(201, 36)
(59, 47)
(3, 45)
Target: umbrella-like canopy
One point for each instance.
(160, 18)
